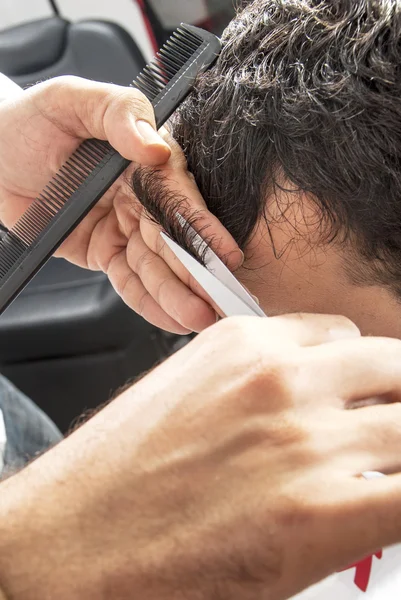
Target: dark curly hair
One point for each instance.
(306, 92)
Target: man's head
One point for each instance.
(294, 139)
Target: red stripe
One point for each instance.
(363, 570)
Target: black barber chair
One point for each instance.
(69, 341)
(49, 47)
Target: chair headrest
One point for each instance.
(32, 46)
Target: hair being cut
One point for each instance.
(306, 93)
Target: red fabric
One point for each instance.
(363, 570)
(148, 25)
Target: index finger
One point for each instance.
(170, 189)
(182, 183)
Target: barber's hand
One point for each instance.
(231, 471)
(39, 130)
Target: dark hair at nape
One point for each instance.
(309, 89)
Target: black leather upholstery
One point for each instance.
(69, 341)
(50, 47)
(30, 47)
(66, 311)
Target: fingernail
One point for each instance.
(242, 258)
(372, 475)
(341, 333)
(149, 135)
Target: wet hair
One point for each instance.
(306, 93)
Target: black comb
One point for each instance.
(95, 165)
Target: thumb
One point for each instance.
(121, 115)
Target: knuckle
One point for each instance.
(141, 305)
(232, 332)
(141, 263)
(241, 327)
(61, 82)
(225, 337)
(268, 371)
(68, 80)
(121, 285)
(161, 291)
(274, 379)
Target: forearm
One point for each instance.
(18, 557)
(40, 549)
(63, 519)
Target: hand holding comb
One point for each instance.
(95, 165)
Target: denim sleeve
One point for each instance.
(29, 431)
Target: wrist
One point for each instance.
(38, 539)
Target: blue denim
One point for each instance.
(29, 430)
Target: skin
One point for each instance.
(55, 116)
(257, 466)
(41, 127)
(288, 269)
(215, 443)
(301, 274)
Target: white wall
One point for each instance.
(124, 12)
(13, 12)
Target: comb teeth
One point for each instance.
(11, 249)
(58, 191)
(95, 166)
(174, 55)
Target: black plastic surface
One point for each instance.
(67, 311)
(31, 47)
(96, 50)
(66, 387)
